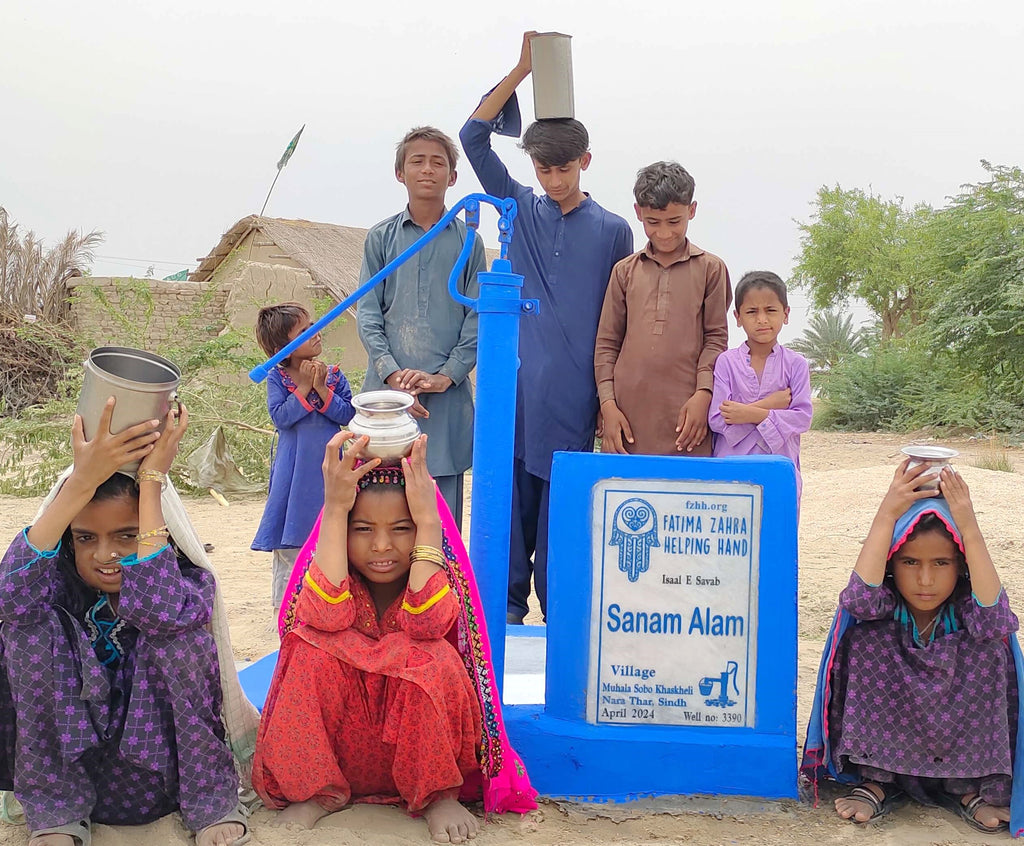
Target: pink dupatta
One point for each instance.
(506, 786)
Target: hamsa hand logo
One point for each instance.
(634, 532)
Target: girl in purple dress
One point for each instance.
(308, 401)
(110, 689)
(919, 699)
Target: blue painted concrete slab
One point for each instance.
(572, 758)
(525, 648)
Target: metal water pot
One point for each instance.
(551, 59)
(384, 417)
(142, 383)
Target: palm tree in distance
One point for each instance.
(33, 278)
(828, 339)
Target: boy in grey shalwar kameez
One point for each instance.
(418, 338)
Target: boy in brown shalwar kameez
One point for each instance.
(663, 324)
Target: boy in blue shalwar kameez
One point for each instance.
(565, 246)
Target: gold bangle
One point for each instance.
(153, 533)
(155, 545)
(147, 475)
(427, 553)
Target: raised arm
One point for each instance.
(499, 112)
(341, 484)
(29, 579)
(494, 102)
(157, 597)
(422, 498)
(985, 581)
(152, 477)
(95, 462)
(903, 492)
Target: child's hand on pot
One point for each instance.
(905, 490)
(166, 448)
(341, 475)
(96, 460)
(419, 486)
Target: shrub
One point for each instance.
(900, 385)
(869, 392)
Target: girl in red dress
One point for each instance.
(382, 692)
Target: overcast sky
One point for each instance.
(161, 124)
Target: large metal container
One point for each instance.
(143, 385)
(551, 59)
(384, 417)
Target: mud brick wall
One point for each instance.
(145, 312)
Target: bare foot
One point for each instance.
(306, 814)
(223, 834)
(52, 840)
(985, 814)
(450, 821)
(861, 810)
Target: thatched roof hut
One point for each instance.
(265, 260)
(332, 255)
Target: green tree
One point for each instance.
(33, 278)
(976, 255)
(860, 246)
(829, 339)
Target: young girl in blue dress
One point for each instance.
(308, 401)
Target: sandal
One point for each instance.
(239, 815)
(969, 812)
(77, 831)
(893, 797)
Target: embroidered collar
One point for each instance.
(104, 629)
(944, 619)
(313, 398)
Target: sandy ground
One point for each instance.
(844, 478)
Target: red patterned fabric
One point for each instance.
(506, 784)
(367, 710)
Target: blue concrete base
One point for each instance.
(568, 759)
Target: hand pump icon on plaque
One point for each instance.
(707, 685)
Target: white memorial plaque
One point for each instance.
(674, 621)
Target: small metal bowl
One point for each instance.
(936, 457)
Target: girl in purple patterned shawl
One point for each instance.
(110, 691)
(921, 695)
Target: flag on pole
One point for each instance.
(290, 149)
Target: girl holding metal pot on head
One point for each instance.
(112, 705)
